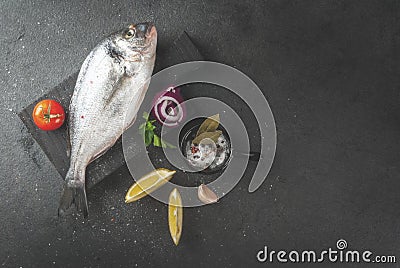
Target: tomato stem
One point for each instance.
(47, 116)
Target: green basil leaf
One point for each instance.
(142, 125)
(163, 144)
(148, 137)
(167, 145)
(157, 141)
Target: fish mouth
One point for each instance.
(150, 36)
(151, 31)
(145, 29)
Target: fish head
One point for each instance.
(137, 38)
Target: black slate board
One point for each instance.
(54, 143)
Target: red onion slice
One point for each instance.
(168, 107)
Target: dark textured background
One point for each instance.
(330, 70)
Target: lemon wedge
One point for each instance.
(175, 215)
(148, 183)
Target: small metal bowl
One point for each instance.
(206, 164)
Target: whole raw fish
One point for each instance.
(110, 88)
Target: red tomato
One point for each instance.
(48, 115)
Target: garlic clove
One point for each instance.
(206, 195)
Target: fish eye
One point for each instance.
(130, 33)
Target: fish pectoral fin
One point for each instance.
(129, 70)
(131, 64)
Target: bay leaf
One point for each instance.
(210, 135)
(209, 125)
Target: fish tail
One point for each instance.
(74, 192)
